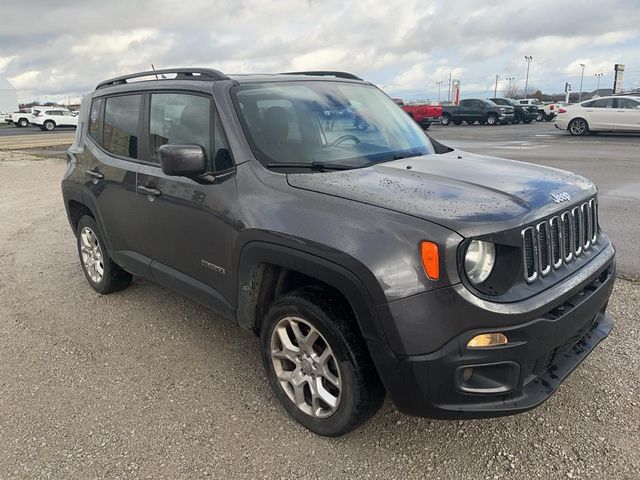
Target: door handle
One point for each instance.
(149, 191)
(94, 174)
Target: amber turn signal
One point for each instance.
(487, 340)
(430, 260)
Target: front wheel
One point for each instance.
(539, 117)
(445, 120)
(492, 119)
(318, 364)
(578, 126)
(516, 118)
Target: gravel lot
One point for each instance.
(147, 384)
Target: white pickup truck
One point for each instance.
(24, 117)
(545, 111)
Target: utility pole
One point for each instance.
(495, 90)
(598, 75)
(439, 84)
(449, 93)
(581, 78)
(528, 59)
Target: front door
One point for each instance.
(627, 114)
(188, 226)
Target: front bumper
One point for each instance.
(546, 344)
(506, 117)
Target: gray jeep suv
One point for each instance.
(368, 262)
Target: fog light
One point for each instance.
(487, 340)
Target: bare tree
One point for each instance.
(512, 90)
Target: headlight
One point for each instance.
(479, 260)
(503, 109)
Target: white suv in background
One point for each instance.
(604, 114)
(51, 118)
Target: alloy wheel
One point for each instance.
(306, 367)
(91, 255)
(578, 126)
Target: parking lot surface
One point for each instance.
(147, 384)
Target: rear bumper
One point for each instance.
(544, 348)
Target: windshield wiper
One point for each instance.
(312, 165)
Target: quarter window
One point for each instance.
(180, 119)
(121, 125)
(94, 118)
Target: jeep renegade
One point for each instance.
(368, 262)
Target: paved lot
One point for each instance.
(147, 384)
(611, 161)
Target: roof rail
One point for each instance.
(328, 73)
(181, 73)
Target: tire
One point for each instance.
(355, 389)
(492, 119)
(23, 122)
(548, 118)
(457, 122)
(470, 122)
(425, 125)
(516, 118)
(578, 126)
(94, 257)
(445, 119)
(539, 117)
(49, 126)
(528, 121)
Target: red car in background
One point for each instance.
(422, 113)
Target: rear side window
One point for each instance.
(180, 119)
(121, 130)
(600, 103)
(94, 119)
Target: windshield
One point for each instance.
(311, 123)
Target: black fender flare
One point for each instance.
(84, 196)
(337, 276)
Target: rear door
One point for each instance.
(188, 226)
(627, 114)
(600, 114)
(110, 162)
(68, 119)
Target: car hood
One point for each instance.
(468, 193)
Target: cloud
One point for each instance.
(408, 45)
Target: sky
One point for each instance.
(60, 50)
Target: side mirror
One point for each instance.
(183, 160)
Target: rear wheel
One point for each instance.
(318, 364)
(457, 122)
(516, 118)
(578, 126)
(539, 117)
(470, 122)
(492, 119)
(23, 122)
(101, 272)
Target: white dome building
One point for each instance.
(8, 96)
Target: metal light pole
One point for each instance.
(581, 78)
(528, 59)
(510, 79)
(495, 89)
(439, 83)
(598, 75)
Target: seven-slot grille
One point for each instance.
(565, 236)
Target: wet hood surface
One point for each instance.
(468, 193)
